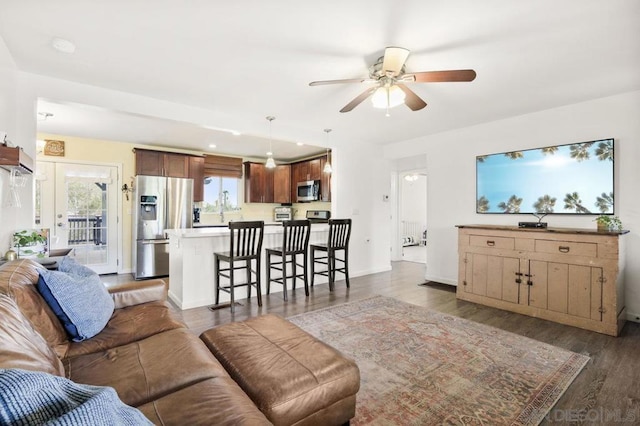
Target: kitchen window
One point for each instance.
(221, 194)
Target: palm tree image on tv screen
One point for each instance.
(570, 179)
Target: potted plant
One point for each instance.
(30, 243)
(608, 223)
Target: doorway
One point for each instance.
(79, 204)
(412, 214)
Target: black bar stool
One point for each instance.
(339, 234)
(295, 241)
(245, 244)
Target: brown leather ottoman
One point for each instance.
(293, 378)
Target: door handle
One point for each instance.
(61, 224)
(155, 242)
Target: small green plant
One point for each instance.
(26, 238)
(610, 223)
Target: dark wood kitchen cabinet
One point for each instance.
(196, 172)
(258, 183)
(325, 181)
(158, 163)
(282, 184)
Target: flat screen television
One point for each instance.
(563, 179)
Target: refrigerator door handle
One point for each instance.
(154, 241)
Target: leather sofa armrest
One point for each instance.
(137, 292)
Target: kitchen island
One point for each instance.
(191, 265)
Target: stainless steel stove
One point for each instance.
(318, 216)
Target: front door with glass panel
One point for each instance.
(82, 199)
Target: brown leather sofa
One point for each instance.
(145, 353)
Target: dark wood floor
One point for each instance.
(607, 391)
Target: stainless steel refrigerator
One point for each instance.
(160, 203)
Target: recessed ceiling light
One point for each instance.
(62, 45)
(299, 144)
(235, 133)
(212, 145)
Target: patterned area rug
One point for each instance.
(420, 367)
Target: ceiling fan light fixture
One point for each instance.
(387, 97)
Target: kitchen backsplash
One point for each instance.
(261, 211)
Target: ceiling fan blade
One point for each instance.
(441, 76)
(358, 99)
(346, 80)
(394, 59)
(413, 101)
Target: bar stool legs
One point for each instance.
(245, 245)
(295, 241)
(339, 235)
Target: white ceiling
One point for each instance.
(250, 59)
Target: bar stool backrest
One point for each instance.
(295, 236)
(246, 239)
(339, 233)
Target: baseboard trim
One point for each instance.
(633, 317)
(442, 280)
(369, 271)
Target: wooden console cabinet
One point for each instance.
(570, 276)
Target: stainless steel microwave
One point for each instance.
(308, 190)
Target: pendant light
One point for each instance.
(270, 164)
(327, 165)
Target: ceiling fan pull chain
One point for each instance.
(388, 114)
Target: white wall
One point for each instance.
(8, 96)
(362, 180)
(451, 172)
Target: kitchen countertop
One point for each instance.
(225, 225)
(221, 231)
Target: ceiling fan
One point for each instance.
(388, 78)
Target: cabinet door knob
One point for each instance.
(564, 249)
(491, 243)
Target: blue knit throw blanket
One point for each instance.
(33, 398)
